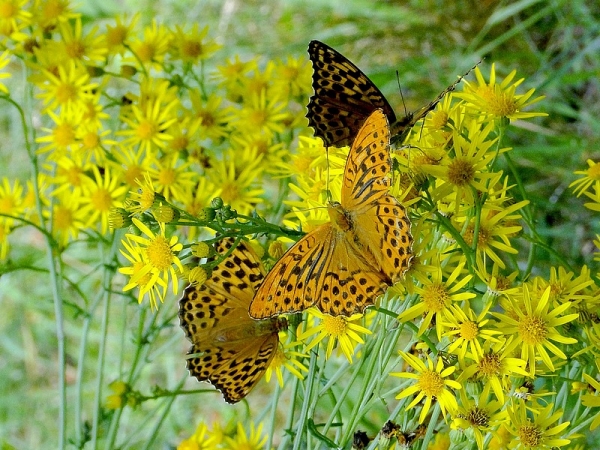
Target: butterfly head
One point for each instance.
(340, 217)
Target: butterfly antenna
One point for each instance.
(401, 95)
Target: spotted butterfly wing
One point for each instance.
(344, 265)
(229, 349)
(344, 97)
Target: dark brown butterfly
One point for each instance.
(344, 97)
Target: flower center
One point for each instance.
(490, 365)
(75, 50)
(530, 435)
(146, 130)
(7, 10)
(478, 417)
(159, 253)
(230, 192)
(137, 267)
(501, 104)
(146, 52)
(532, 330)
(460, 172)
(167, 177)
(431, 383)
(469, 330)
(191, 49)
(6, 205)
(63, 218)
(102, 200)
(435, 297)
(334, 326)
(64, 135)
(66, 93)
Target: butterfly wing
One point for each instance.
(229, 349)
(344, 97)
(381, 229)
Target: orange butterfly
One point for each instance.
(229, 349)
(343, 265)
(344, 97)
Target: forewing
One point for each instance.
(343, 97)
(366, 173)
(296, 280)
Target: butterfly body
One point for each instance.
(343, 265)
(344, 97)
(229, 349)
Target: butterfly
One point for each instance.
(344, 97)
(342, 266)
(229, 349)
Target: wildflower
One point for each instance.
(564, 287)
(592, 400)
(436, 296)
(497, 283)
(286, 357)
(119, 35)
(49, 13)
(69, 89)
(184, 133)
(498, 100)
(344, 330)
(494, 368)
(152, 48)
(467, 330)
(148, 125)
(467, 171)
(431, 382)
(243, 441)
(173, 178)
(88, 47)
(4, 60)
(62, 137)
(68, 217)
(14, 17)
(539, 433)
(159, 257)
(11, 201)
(100, 196)
(292, 78)
(214, 117)
(192, 46)
(478, 415)
(534, 327)
(262, 114)
(232, 74)
(202, 439)
(495, 227)
(131, 164)
(237, 183)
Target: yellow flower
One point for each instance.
(214, 118)
(84, 47)
(202, 439)
(152, 48)
(119, 35)
(431, 382)
(148, 124)
(539, 433)
(11, 201)
(68, 217)
(467, 329)
(243, 441)
(286, 357)
(69, 89)
(436, 296)
(14, 16)
(100, 196)
(262, 114)
(141, 274)
(344, 330)
(592, 400)
(62, 137)
(159, 259)
(4, 60)
(498, 100)
(49, 13)
(173, 178)
(591, 178)
(478, 415)
(534, 326)
(192, 46)
(237, 182)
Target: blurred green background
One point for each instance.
(554, 45)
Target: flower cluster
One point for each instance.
(147, 130)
